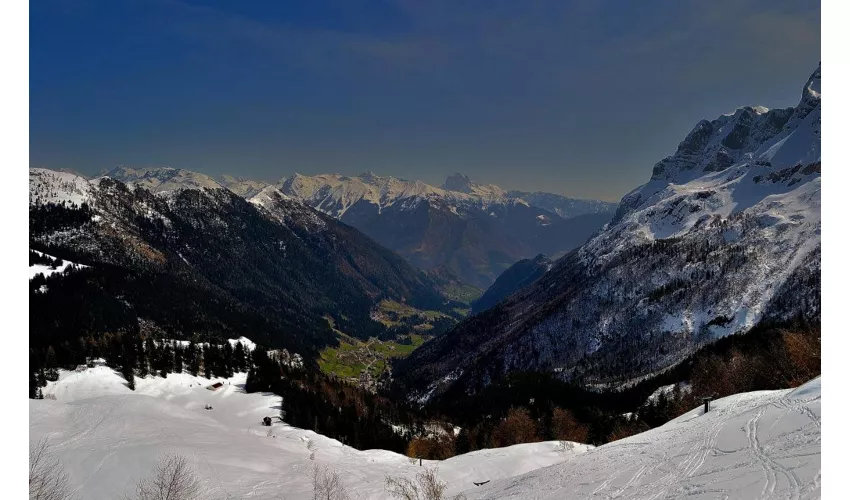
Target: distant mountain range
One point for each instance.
(205, 261)
(726, 234)
(471, 230)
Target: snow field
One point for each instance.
(755, 445)
(107, 436)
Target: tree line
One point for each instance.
(530, 406)
(519, 408)
(133, 356)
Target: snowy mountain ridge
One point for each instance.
(162, 179)
(725, 234)
(335, 194)
(264, 259)
(474, 231)
(52, 186)
(754, 137)
(753, 163)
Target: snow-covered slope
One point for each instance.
(752, 176)
(53, 186)
(241, 186)
(107, 435)
(46, 270)
(286, 210)
(754, 445)
(725, 234)
(164, 179)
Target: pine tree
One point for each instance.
(193, 356)
(227, 359)
(141, 354)
(166, 359)
(251, 380)
(52, 372)
(239, 359)
(33, 390)
(127, 370)
(212, 361)
(66, 355)
(33, 379)
(462, 444)
(206, 360)
(50, 358)
(179, 354)
(150, 354)
(283, 409)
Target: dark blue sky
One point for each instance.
(580, 98)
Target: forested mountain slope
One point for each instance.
(207, 262)
(519, 275)
(474, 231)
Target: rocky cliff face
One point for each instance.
(725, 234)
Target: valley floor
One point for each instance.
(754, 445)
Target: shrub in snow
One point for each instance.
(327, 484)
(426, 486)
(173, 478)
(48, 479)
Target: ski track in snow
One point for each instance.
(755, 445)
(108, 436)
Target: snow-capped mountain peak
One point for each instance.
(812, 88)
(245, 188)
(749, 138)
(162, 179)
(461, 183)
(458, 182)
(475, 230)
(334, 194)
(724, 235)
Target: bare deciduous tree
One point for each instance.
(48, 479)
(518, 427)
(426, 486)
(173, 478)
(327, 484)
(566, 427)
